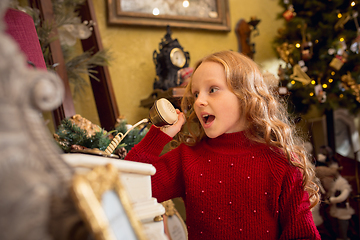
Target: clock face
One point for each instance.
(177, 57)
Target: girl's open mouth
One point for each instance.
(207, 119)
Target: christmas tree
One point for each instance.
(320, 47)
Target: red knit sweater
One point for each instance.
(232, 188)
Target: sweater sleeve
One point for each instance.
(167, 182)
(295, 216)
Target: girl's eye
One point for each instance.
(212, 90)
(196, 95)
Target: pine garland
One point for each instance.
(133, 137)
(69, 134)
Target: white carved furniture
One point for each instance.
(136, 178)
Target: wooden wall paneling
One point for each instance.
(67, 108)
(103, 91)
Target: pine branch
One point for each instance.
(82, 64)
(133, 137)
(69, 134)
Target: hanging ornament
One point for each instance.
(342, 86)
(283, 91)
(331, 51)
(350, 82)
(341, 55)
(303, 66)
(320, 93)
(306, 51)
(281, 73)
(337, 62)
(300, 75)
(342, 21)
(355, 45)
(69, 33)
(341, 47)
(285, 51)
(289, 13)
(306, 45)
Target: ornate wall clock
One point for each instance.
(168, 61)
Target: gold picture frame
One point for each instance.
(202, 14)
(174, 226)
(105, 206)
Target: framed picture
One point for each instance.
(174, 225)
(104, 205)
(199, 14)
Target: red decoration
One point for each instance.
(306, 51)
(20, 26)
(288, 15)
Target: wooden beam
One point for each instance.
(103, 91)
(67, 108)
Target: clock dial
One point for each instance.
(177, 57)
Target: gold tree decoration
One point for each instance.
(70, 29)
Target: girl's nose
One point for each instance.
(201, 101)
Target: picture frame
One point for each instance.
(104, 205)
(174, 225)
(175, 228)
(202, 14)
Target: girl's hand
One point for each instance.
(172, 130)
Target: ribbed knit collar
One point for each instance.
(230, 143)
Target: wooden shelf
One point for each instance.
(174, 95)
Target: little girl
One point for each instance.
(240, 169)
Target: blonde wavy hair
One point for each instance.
(267, 118)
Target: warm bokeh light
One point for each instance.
(324, 85)
(313, 82)
(293, 82)
(186, 4)
(352, 3)
(156, 11)
(311, 94)
(339, 15)
(297, 45)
